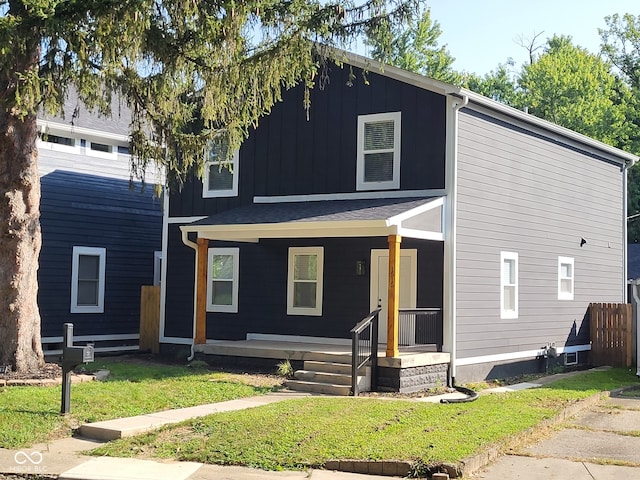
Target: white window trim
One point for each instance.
(508, 314)
(211, 307)
(102, 254)
(395, 182)
(233, 191)
(566, 295)
(319, 252)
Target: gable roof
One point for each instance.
(443, 88)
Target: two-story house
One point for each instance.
(407, 194)
(101, 232)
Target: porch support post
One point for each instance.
(201, 291)
(393, 295)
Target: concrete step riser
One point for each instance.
(323, 377)
(314, 387)
(331, 367)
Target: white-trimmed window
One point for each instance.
(304, 285)
(222, 285)
(508, 285)
(378, 162)
(87, 279)
(220, 177)
(566, 277)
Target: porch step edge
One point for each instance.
(323, 377)
(330, 367)
(316, 387)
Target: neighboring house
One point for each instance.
(506, 224)
(101, 233)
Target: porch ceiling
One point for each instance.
(408, 217)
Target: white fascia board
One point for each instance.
(251, 232)
(64, 127)
(421, 234)
(321, 197)
(185, 220)
(502, 357)
(401, 217)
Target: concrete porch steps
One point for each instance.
(330, 378)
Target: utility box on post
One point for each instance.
(71, 358)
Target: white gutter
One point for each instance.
(194, 246)
(636, 310)
(450, 232)
(624, 228)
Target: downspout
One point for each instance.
(624, 228)
(450, 239)
(636, 312)
(194, 246)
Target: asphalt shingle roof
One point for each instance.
(314, 211)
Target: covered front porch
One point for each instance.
(410, 339)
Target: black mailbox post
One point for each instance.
(71, 358)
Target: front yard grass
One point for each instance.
(305, 433)
(32, 414)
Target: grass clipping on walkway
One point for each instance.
(32, 414)
(306, 433)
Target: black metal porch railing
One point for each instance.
(420, 326)
(364, 349)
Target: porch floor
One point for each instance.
(334, 351)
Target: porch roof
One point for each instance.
(417, 217)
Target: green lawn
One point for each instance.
(31, 414)
(306, 433)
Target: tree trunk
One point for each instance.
(20, 235)
(20, 240)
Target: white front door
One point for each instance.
(380, 282)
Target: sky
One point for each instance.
(480, 34)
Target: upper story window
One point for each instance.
(69, 142)
(304, 285)
(565, 278)
(87, 279)
(220, 174)
(378, 162)
(508, 285)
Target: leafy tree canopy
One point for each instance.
(414, 46)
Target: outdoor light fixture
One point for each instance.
(361, 268)
(582, 242)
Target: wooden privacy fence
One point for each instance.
(150, 318)
(611, 341)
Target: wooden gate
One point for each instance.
(150, 319)
(611, 334)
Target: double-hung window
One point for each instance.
(509, 285)
(220, 172)
(304, 286)
(378, 162)
(565, 278)
(87, 279)
(222, 285)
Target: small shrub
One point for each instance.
(284, 369)
(199, 364)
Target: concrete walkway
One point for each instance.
(600, 443)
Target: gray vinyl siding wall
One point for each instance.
(521, 192)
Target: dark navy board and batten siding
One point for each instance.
(288, 154)
(94, 211)
(519, 192)
(262, 302)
